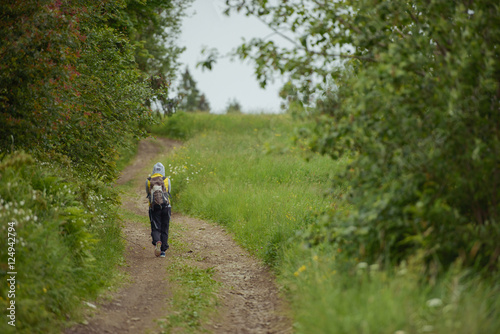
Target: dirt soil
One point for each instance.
(249, 301)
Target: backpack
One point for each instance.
(158, 194)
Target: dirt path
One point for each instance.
(249, 299)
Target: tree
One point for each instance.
(415, 101)
(70, 87)
(153, 28)
(203, 104)
(233, 107)
(189, 95)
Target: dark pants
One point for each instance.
(160, 222)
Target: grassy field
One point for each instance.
(229, 172)
(245, 172)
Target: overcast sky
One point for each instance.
(207, 26)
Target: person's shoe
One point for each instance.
(162, 254)
(158, 248)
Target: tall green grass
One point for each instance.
(242, 172)
(331, 295)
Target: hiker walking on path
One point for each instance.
(158, 193)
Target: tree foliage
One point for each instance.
(70, 83)
(152, 26)
(203, 104)
(411, 90)
(71, 95)
(233, 107)
(190, 98)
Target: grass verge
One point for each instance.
(242, 172)
(194, 297)
(62, 226)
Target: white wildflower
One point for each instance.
(362, 265)
(427, 329)
(434, 302)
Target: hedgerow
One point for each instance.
(66, 239)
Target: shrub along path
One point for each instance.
(247, 300)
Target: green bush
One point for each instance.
(65, 240)
(72, 86)
(410, 89)
(74, 94)
(424, 128)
